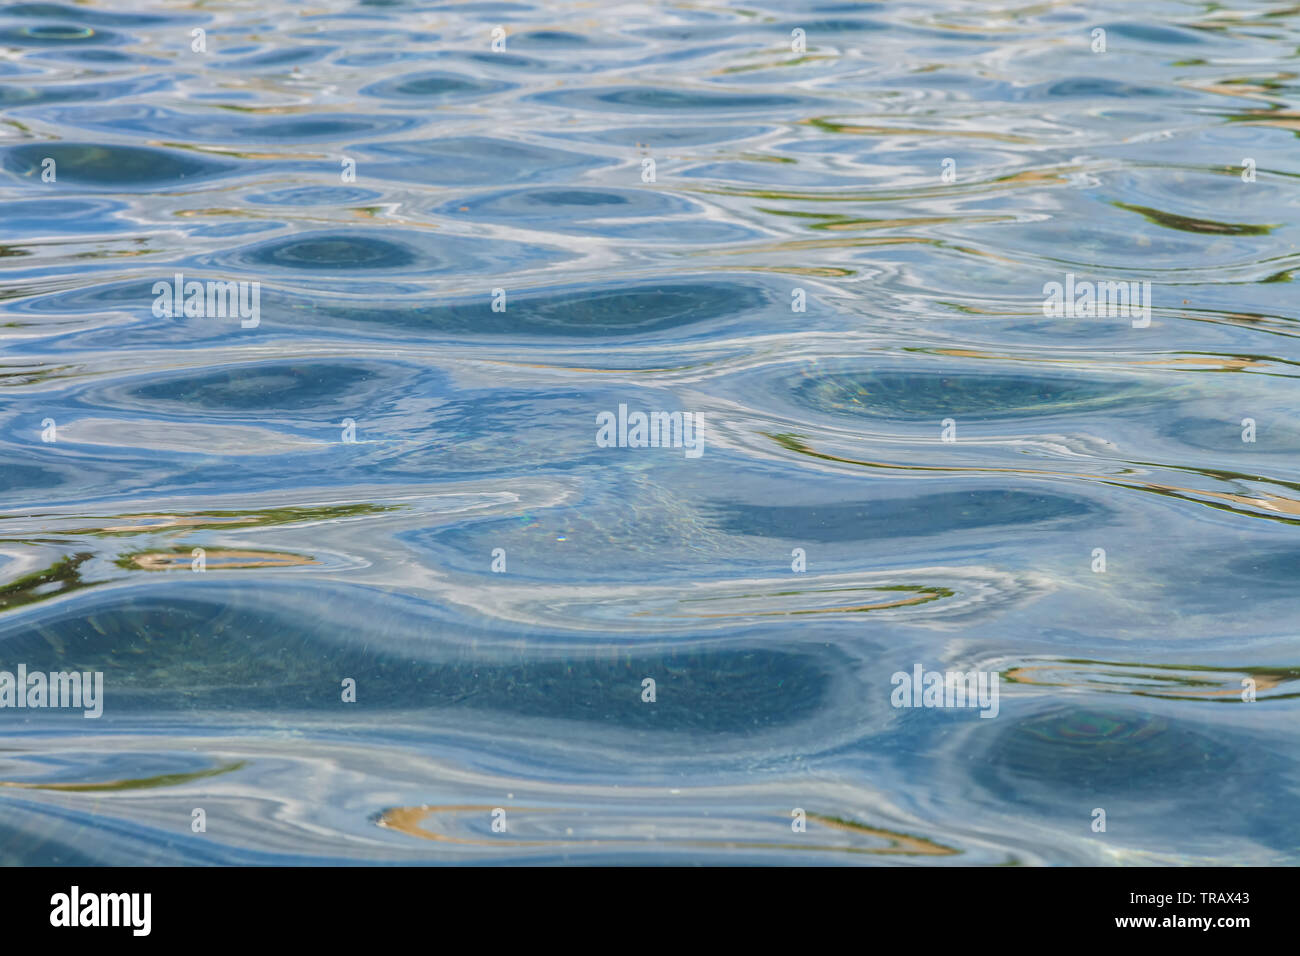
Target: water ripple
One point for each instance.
(826, 230)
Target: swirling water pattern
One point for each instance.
(216, 141)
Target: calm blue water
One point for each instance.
(462, 259)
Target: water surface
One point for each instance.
(351, 464)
